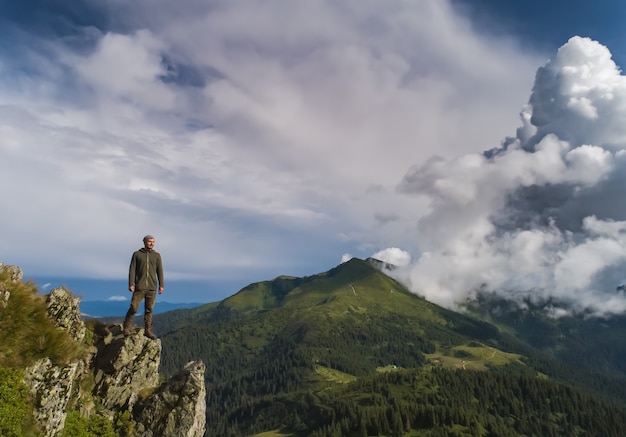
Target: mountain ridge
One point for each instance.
(351, 352)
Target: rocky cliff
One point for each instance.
(112, 376)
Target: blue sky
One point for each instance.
(255, 139)
(545, 26)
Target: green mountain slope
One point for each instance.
(594, 344)
(353, 318)
(334, 353)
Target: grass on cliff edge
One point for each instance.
(26, 331)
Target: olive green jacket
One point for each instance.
(146, 268)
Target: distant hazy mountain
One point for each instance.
(118, 308)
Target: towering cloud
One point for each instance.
(543, 215)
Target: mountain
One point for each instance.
(592, 343)
(352, 352)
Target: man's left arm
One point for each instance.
(160, 275)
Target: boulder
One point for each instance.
(63, 307)
(124, 366)
(15, 273)
(177, 408)
(52, 388)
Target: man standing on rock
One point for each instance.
(146, 268)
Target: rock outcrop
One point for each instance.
(5, 294)
(124, 367)
(15, 273)
(62, 307)
(122, 372)
(177, 408)
(52, 388)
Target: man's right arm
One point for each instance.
(131, 273)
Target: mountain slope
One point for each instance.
(592, 343)
(279, 353)
(351, 311)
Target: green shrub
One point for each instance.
(26, 331)
(124, 424)
(93, 426)
(16, 417)
(460, 353)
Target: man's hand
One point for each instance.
(161, 290)
(131, 288)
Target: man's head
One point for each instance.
(148, 241)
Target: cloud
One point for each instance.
(127, 68)
(541, 216)
(393, 255)
(251, 138)
(262, 138)
(117, 299)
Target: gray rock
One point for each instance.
(63, 307)
(124, 366)
(177, 408)
(4, 295)
(52, 387)
(15, 273)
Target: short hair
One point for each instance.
(147, 237)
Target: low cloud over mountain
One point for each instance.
(544, 214)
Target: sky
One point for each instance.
(477, 144)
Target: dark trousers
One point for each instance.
(138, 296)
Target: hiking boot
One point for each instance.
(148, 333)
(127, 326)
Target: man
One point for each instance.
(146, 269)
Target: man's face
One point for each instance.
(149, 243)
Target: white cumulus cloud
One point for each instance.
(117, 299)
(393, 255)
(541, 216)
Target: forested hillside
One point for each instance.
(596, 344)
(433, 403)
(352, 352)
